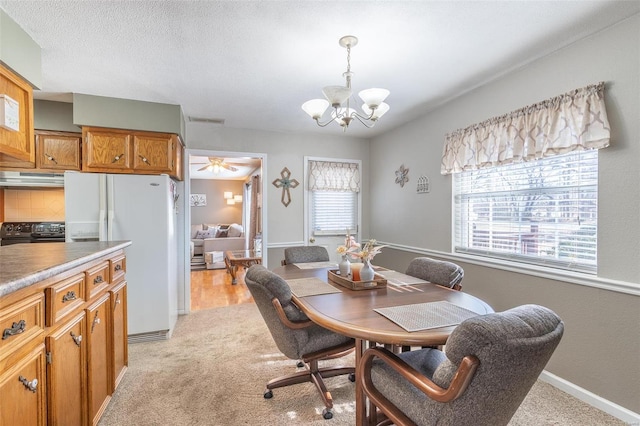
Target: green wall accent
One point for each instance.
(19, 52)
(50, 115)
(99, 111)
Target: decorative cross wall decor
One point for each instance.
(285, 182)
(198, 200)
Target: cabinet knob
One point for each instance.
(118, 267)
(98, 279)
(31, 385)
(144, 159)
(71, 295)
(96, 321)
(16, 328)
(117, 158)
(76, 339)
(50, 158)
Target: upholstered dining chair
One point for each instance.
(439, 272)
(490, 364)
(296, 336)
(305, 254)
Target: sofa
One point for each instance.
(212, 240)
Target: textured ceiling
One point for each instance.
(253, 63)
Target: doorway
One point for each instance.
(233, 194)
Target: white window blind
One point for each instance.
(541, 212)
(334, 212)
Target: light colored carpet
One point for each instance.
(214, 369)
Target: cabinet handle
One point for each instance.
(71, 295)
(50, 158)
(144, 159)
(118, 267)
(76, 339)
(16, 328)
(98, 280)
(117, 158)
(117, 302)
(31, 385)
(96, 321)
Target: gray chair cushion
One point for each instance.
(446, 274)
(305, 254)
(513, 348)
(264, 285)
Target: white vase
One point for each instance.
(344, 266)
(366, 273)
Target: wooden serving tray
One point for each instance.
(377, 282)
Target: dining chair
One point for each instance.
(305, 254)
(439, 272)
(490, 364)
(297, 337)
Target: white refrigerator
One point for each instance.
(139, 208)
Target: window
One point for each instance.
(334, 212)
(542, 212)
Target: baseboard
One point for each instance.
(149, 337)
(592, 399)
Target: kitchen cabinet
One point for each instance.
(17, 145)
(129, 151)
(57, 151)
(64, 346)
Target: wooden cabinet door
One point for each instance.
(106, 150)
(17, 147)
(22, 387)
(58, 150)
(120, 353)
(99, 361)
(152, 152)
(66, 373)
(178, 152)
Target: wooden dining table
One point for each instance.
(351, 313)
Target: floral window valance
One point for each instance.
(574, 121)
(334, 176)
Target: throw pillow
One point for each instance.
(222, 233)
(209, 233)
(235, 230)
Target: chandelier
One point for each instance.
(339, 98)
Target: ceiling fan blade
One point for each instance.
(203, 168)
(228, 167)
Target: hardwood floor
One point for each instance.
(212, 289)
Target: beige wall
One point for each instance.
(216, 210)
(601, 346)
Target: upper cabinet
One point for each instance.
(129, 151)
(57, 150)
(17, 145)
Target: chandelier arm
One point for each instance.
(364, 121)
(364, 117)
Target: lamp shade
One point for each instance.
(379, 112)
(228, 195)
(231, 201)
(336, 95)
(373, 97)
(315, 107)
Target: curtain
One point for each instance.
(255, 227)
(574, 121)
(334, 176)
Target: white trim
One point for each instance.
(285, 244)
(590, 398)
(537, 271)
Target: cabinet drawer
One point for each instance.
(97, 279)
(64, 298)
(118, 266)
(20, 322)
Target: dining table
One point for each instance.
(362, 313)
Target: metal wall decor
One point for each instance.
(286, 183)
(198, 200)
(402, 175)
(423, 185)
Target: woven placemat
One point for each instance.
(425, 316)
(316, 265)
(399, 279)
(310, 287)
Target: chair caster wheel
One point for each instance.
(327, 414)
(300, 364)
(268, 394)
(352, 377)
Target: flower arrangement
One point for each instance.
(368, 251)
(350, 244)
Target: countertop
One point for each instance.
(22, 265)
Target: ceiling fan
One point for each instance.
(215, 164)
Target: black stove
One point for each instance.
(31, 232)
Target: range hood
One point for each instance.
(31, 180)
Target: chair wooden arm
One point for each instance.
(286, 321)
(458, 385)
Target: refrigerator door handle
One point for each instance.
(102, 223)
(110, 207)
